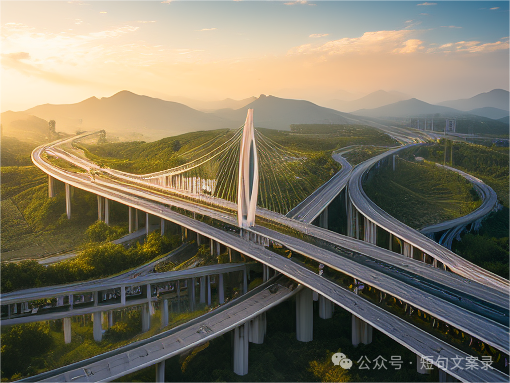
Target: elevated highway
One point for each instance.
(332, 291)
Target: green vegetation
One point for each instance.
(359, 155)
(281, 358)
(481, 125)
(96, 260)
(33, 348)
(488, 164)
(489, 247)
(420, 194)
(16, 152)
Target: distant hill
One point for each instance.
(210, 106)
(408, 108)
(370, 101)
(490, 112)
(504, 120)
(25, 127)
(496, 98)
(279, 113)
(126, 112)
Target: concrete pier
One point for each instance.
(370, 234)
(147, 225)
(420, 366)
(326, 308)
(162, 226)
(446, 377)
(106, 211)
(51, 187)
(361, 331)
(160, 372)
(202, 290)
(67, 330)
(258, 327)
(100, 208)
(241, 337)
(98, 328)
(68, 201)
(221, 289)
(408, 250)
(164, 313)
(209, 295)
(191, 293)
(146, 317)
(304, 315)
(132, 216)
(323, 218)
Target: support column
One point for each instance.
(323, 218)
(100, 208)
(304, 315)
(160, 372)
(420, 366)
(110, 318)
(258, 329)
(370, 231)
(211, 245)
(191, 294)
(162, 226)
(147, 227)
(97, 329)
(209, 298)
(67, 330)
(446, 377)
(326, 308)
(221, 289)
(132, 216)
(136, 220)
(146, 317)
(241, 337)
(202, 289)
(68, 201)
(106, 211)
(408, 250)
(51, 187)
(164, 312)
(245, 281)
(218, 248)
(361, 331)
(123, 295)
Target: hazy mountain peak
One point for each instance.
(496, 98)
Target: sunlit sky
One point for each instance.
(66, 51)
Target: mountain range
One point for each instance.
(496, 98)
(370, 101)
(126, 113)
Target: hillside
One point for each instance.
(126, 112)
(279, 113)
(408, 108)
(504, 120)
(370, 101)
(24, 127)
(490, 112)
(209, 106)
(496, 98)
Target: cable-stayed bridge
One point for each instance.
(382, 289)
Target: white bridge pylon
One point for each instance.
(248, 186)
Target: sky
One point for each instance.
(67, 51)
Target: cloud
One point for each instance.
(302, 2)
(103, 12)
(408, 21)
(166, 2)
(424, 14)
(206, 29)
(369, 42)
(78, 21)
(425, 4)
(146, 21)
(17, 56)
(410, 46)
(450, 26)
(474, 46)
(493, 9)
(317, 35)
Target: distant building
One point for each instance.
(451, 125)
(51, 129)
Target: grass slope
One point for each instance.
(421, 194)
